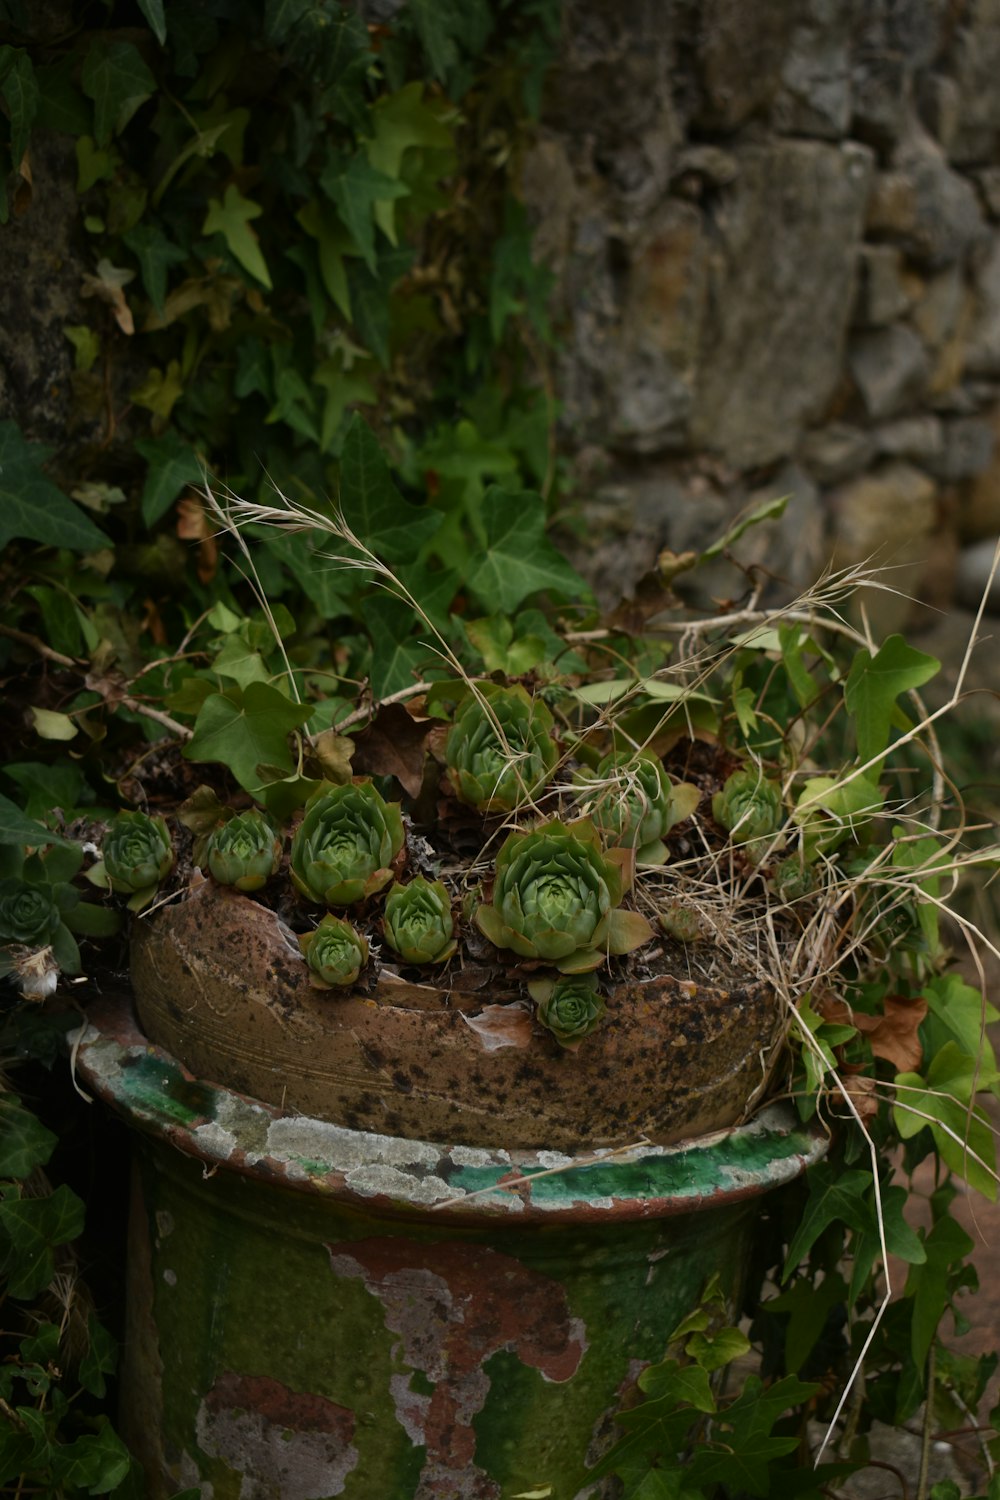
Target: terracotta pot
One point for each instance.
(317, 1312)
(219, 981)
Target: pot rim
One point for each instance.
(157, 1095)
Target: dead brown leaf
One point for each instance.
(193, 525)
(502, 1025)
(393, 744)
(108, 285)
(892, 1035)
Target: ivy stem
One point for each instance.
(367, 713)
(925, 1443)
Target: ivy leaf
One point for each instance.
(369, 300)
(875, 682)
(333, 243)
(96, 1462)
(155, 255)
(371, 504)
(946, 1245)
(281, 17)
(356, 190)
(60, 103)
(962, 1134)
(17, 828)
(767, 510)
(20, 93)
(155, 15)
(116, 78)
(231, 218)
(31, 506)
(25, 1143)
(518, 558)
(244, 729)
(833, 1196)
(100, 1359)
(173, 463)
(399, 121)
(743, 1467)
(396, 657)
(32, 1228)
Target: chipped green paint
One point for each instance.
(305, 1323)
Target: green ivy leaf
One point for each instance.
(96, 1462)
(173, 464)
(356, 190)
(25, 1143)
(396, 657)
(873, 685)
(30, 504)
(60, 103)
(17, 828)
(231, 218)
(33, 1227)
(155, 255)
(400, 121)
(333, 244)
(518, 559)
(100, 1359)
(156, 17)
(116, 78)
(834, 1195)
(281, 17)
(371, 504)
(244, 729)
(742, 1467)
(946, 1246)
(20, 93)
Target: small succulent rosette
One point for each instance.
(749, 807)
(243, 852)
(557, 895)
(344, 848)
(137, 855)
(500, 751)
(570, 1007)
(634, 803)
(335, 952)
(418, 922)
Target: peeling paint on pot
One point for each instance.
(359, 1315)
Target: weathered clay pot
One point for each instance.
(219, 982)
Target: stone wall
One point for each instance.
(776, 231)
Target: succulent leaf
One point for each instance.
(137, 855)
(750, 807)
(638, 804)
(555, 896)
(418, 921)
(571, 1008)
(244, 852)
(335, 953)
(343, 848)
(500, 749)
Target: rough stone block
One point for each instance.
(832, 454)
(983, 349)
(886, 519)
(975, 61)
(890, 368)
(780, 291)
(979, 505)
(739, 47)
(815, 94)
(969, 444)
(924, 206)
(911, 437)
(987, 179)
(882, 296)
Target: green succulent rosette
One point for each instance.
(335, 953)
(344, 847)
(571, 1007)
(137, 855)
(750, 807)
(500, 749)
(682, 923)
(244, 852)
(556, 896)
(639, 804)
(418, 922)
(28, 914)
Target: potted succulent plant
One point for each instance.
(477, 997)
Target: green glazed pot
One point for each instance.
(315, 1311)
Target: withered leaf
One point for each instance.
(892, 1035)
(334, 752)
(394, 745)
(502, 1025)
